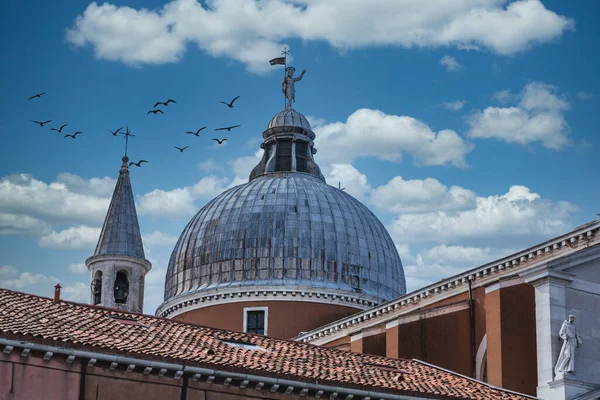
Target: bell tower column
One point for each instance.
(119, 266)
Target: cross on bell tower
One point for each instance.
(119, 266)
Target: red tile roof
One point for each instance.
(73, 325)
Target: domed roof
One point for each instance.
(289, 117)
(285, 229)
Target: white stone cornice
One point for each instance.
(237, 294)
(535, 257)
(504, 284)
(543, 275)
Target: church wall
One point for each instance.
(123, 385)
(443, 340)
(586, 308)
(339, 343)
(34, 378)
(372, 344)
(511, 338)
(286, 319)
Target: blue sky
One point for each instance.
(469, 128)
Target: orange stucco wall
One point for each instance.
(286, 319)
(511, 341)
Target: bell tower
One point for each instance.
(119, 266)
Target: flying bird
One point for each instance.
(230, 105)
(37, 95)
(220, 141)
(227, 128)
(165, 103)
(41, 123)
(137, 164)
(181, 149)
(117, 131)
(59, 130)
(197, 133)
(154, 112)
(73, 135)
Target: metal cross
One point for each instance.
(126, 135)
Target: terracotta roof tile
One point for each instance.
(112, 331)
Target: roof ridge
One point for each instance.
(473, 379)
(185, 323)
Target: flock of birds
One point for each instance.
(155, 110)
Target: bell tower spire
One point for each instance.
(119, 266)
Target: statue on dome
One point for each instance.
(287, 86)
(571, 340)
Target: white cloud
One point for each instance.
(179, 203)
(371, 133)
(79, 237)
(539, 117)
(23, 225)
(243, 30)
(39, 284)
(78, 268)
(158, 239)
(517, 218)
(352, 181)
(454, 105)
(440, 262)
(22, 194)
(242, 166)
(100, 187)
(79, 292)
(209, 165)
(417, 196)
(584, 95)
(450, 63)
(503, 96)
(461, 256)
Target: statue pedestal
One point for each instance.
(565, 386)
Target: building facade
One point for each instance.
(52, 349)
(499, 322)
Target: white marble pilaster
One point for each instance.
(550, 312)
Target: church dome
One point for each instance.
(289, 117)
(286, 236)
(286, 229)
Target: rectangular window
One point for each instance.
(283, 158)
(300, 156)
(255, 320)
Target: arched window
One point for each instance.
(121, 287)
(96, 287)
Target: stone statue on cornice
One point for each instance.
(571, 341)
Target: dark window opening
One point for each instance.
(255, 322)
(121, 287)
(96, 287)
(300, 157)
(283, 160)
